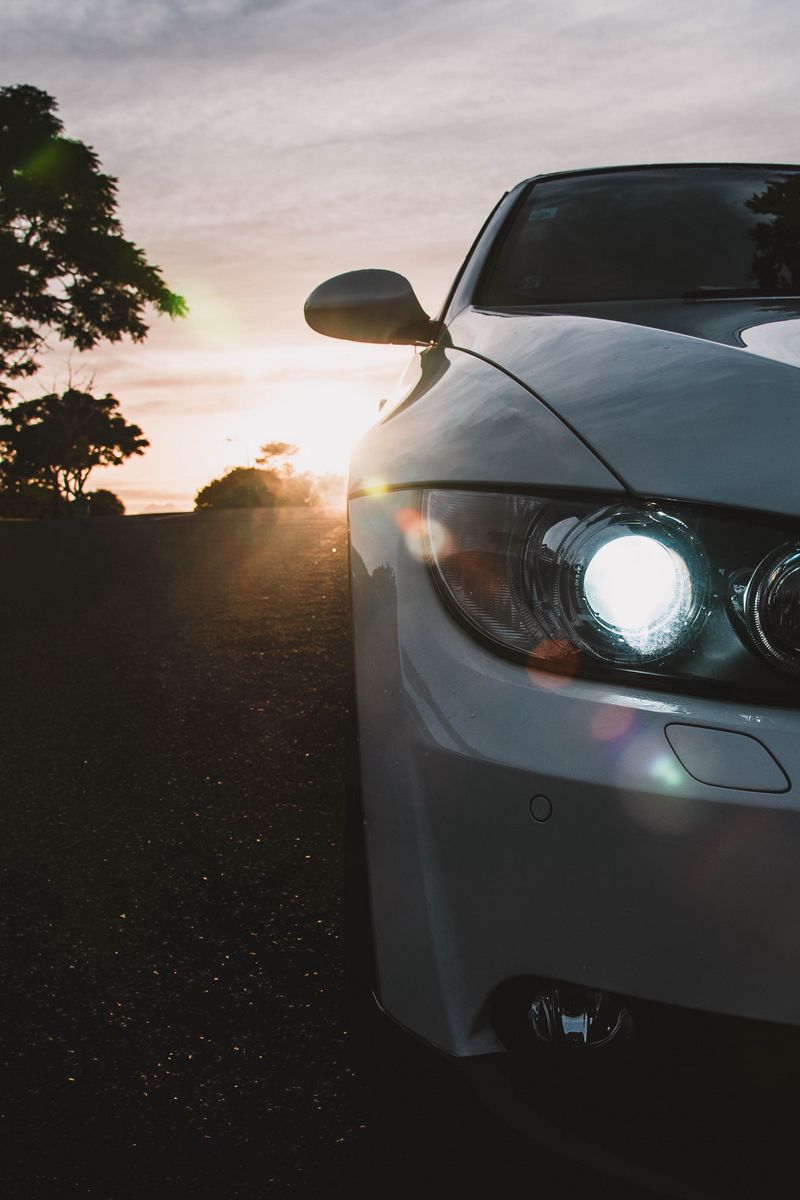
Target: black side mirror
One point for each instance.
(370, 306)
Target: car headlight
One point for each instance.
(688, 597)
(771, 607)
(624, 586)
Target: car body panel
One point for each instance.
(673, 415)
(466, 421)
(644, 881)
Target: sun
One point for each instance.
(323, 413)
(332, 424)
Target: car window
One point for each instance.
(652, 233)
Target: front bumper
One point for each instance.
(643, 881)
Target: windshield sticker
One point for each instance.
(542, 214)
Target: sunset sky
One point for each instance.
(263, 146)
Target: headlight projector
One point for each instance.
(630, 585)
(772, 607)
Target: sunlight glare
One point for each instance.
(212, 319)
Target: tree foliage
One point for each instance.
(65, 266)
(242, 487)
(103, 503)
(250, 487)
(776, 263)
(55, 442)
(291, 487)
(276, 456)
(22, 498)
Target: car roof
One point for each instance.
(763, 166)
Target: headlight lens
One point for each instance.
(771, 607)
(639, 591)
(623, 585)
(684, 597)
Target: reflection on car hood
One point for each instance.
(692, 401)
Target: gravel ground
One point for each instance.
(174, 718)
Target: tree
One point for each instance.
(290, 487)
(20, 498)
(248, 487)
(103, 503)
(65, 266)
(276, 456)
(241, 487)
(56, 441)
(776, 262)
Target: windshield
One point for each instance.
(691, 232)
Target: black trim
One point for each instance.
(514, 489)
(468, 258)
(713, 508)
(474, 266)
(660, 166)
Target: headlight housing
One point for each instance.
(687, 597)
(625, 586)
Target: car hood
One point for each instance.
(689, 401)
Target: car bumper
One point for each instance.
(642, 881)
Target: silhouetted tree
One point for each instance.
(64, 265)
(776, 263)
(103, 503)
(276, 456)
(21, 498)
(56, 441)
(241, 487)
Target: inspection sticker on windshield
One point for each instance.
(542, 214)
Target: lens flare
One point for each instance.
(666, 771)
(375, 486)
(610, 724)
(414, 529)
(554, 664)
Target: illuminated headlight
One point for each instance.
(680, 596)
(624, 585)
(640, 590)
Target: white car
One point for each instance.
(575, 572)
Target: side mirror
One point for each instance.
(370, 306)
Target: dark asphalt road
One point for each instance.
(174, 716)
